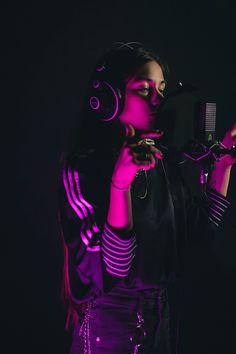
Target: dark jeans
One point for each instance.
(124, 324)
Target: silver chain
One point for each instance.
(139, 324)
(85, 329)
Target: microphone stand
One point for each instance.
(205, 155)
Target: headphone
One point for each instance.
(106, 93)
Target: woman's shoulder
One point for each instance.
(88, 172)
(81, 162)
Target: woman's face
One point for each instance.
(143, 96)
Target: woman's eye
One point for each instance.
(144, 90)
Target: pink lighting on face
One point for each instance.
(143, 97)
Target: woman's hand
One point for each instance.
(220, 176)
(228, 141)
(138, 152)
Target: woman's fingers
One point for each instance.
(144, 160)
(230, 137)
(142, 156)
(159, 155)
(141, 147)
(233, 131)
(129, 131)
(137, 136)
(147, 156)
(140, 151)
(152, 134)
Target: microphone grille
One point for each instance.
(210, 114)
(205, 121)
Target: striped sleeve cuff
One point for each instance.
(117, 253)
(217, 205)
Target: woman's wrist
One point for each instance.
(120, 186)
(220, 176)
(222, 165)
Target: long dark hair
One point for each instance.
(123, 61)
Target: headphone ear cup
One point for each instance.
(105, 100)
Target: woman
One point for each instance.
(125, 214)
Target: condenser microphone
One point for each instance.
(205, 122)
(204, 146)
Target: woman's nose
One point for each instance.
(157, 98)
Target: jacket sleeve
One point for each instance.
(203, 209)
(216, 205)
(206, 212)
(96, 251)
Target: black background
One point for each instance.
(48, 51)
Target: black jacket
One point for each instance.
(152, 254)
